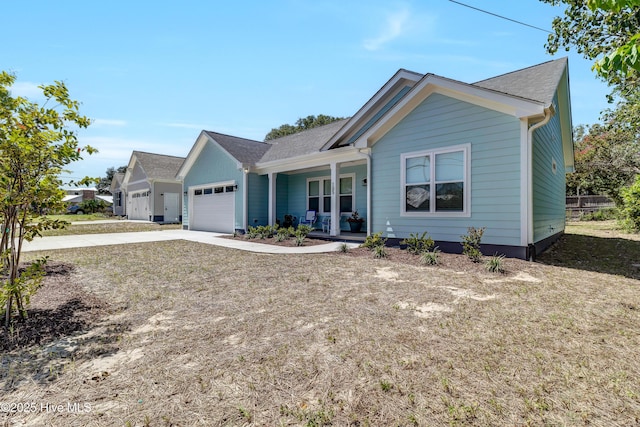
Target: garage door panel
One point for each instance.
(213, 212)
(139, 206)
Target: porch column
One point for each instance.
(272, 197)
(335, 200)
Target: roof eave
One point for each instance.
(400, 75)
(508, 104)
(322, 158)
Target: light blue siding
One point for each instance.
(549, 188)
(214, 165)
(258, 200)
(439, 122)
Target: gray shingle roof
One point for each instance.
(537, 83)
(159, 166)
(246, 151)
(301, 143)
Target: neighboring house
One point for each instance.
(425, 153)
(119, 194)
(151, 189)
(76, 195)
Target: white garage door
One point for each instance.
(213, 209)
(139, 205)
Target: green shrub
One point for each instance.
(631, 204)
(494, 264)
(303, 229)
(418, 243)
(600, 215)
(299, 239)
(380, 251)
(344, 248)
(252, 233)
(471, 243)
(430, 257)
(372, 241)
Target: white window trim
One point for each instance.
(466, 212)
(337, 187)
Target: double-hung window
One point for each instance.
(435, 182)
(319, 194)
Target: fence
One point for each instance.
(577, 205)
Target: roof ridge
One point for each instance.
(310, 129)
(564, 58)
(157, 154)
(235, 136)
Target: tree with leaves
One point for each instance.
(606, 31)
(36, 143)
(301, 124)
(104, 184)
(606, 160)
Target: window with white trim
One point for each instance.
(319, 194)
(435, 182)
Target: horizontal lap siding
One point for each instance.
(549, 189)
(258, 199)
(214, 165)
(439, 122)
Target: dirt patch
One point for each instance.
(59, 308)
(290, 242)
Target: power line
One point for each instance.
(501, 17)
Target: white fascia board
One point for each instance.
(127, 174)
(431, 84)
(323, 158)
(364, 110)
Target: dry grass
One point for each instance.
(200, 335)
(89, 227)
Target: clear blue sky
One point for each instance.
(152, 75)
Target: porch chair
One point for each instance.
(309, 218)
(326, 224)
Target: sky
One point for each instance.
(153, 75)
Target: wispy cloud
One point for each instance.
(26, 89)
(396, 24)
(109, 122)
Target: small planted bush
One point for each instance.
(471, 243)
(372, 241)
(252, 233)
(299, 238)
(303, 229)
(380, 251)
(418, 243)
(494, 264)
(430, 257)
(344, 248)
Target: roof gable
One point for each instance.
(156, 166)
(245, 152)
(537, 83)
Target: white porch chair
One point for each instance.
(309, 218)
(326, 224)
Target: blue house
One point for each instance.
(425, 153)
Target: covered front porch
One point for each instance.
(333, 188)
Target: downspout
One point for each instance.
(548, 113)
(367, 153)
